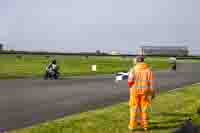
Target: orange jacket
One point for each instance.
(141, 79)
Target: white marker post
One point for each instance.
(94, 68)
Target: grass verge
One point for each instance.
(23, 66)
(169, 111)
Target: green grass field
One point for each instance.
(169, 111)
(21, 66)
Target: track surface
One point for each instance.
(25, 101)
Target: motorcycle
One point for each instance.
(52, 74)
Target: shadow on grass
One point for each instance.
(164, 125)
(176, 121)
(168, 121)
(157, 127)
(176, 114)
(175, 117)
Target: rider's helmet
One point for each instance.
(54, 62)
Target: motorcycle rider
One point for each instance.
(52, 70)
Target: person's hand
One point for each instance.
(153, 96)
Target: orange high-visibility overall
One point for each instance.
(141, 82)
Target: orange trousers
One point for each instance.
(139, 105)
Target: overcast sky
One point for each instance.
(88, 25)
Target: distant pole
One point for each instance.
(1, 46)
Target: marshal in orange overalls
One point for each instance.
(141, 82)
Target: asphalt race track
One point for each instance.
(27, 101)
